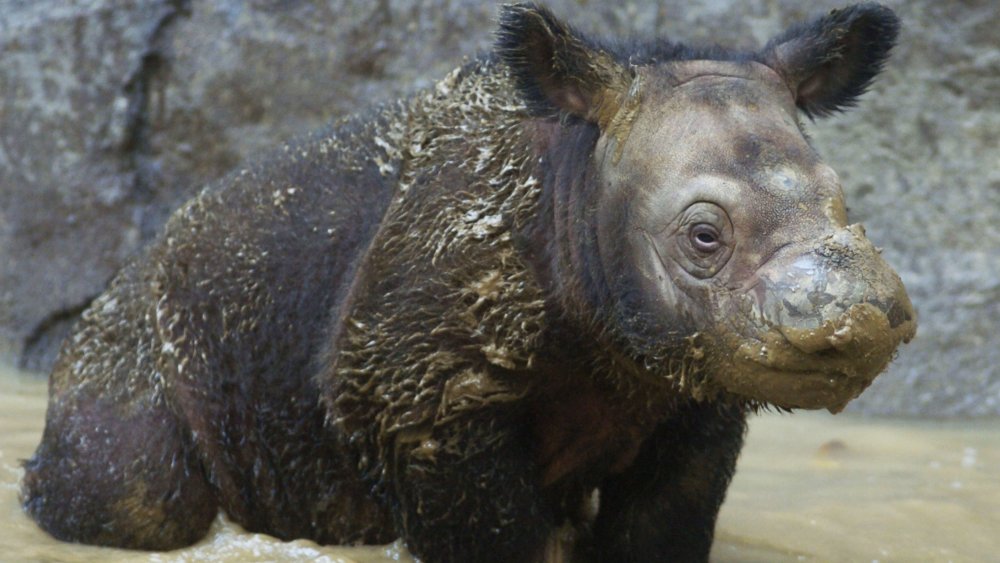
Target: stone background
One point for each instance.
(113, 112)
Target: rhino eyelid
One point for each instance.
(670, 229)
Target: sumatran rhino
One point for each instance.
(535, 301)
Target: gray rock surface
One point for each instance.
(114, 112)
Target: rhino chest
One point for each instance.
(578, 433)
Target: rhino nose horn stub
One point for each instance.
(822, 299)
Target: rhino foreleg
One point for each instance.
(468, 492)
(663, 508)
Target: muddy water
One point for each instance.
(809, 488)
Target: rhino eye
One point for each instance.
(700, 239)
(705, 238)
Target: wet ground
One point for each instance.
(809, 487)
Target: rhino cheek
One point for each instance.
(684, 303)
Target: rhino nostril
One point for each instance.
(855, 328)
(897, 313)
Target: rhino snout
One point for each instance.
(832, 310)
(810, 288)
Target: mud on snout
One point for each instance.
(815, 326)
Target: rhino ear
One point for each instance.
(832, 60)
(555, 69)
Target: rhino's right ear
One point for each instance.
(555, 69)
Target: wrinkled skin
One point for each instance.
(520, 316)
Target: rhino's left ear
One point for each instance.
(832, 60)
(556, 69)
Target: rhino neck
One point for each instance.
(590, 321)
(560, 243)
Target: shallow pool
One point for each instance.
(809, 487)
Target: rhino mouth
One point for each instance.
(793, 387)
(822, 367)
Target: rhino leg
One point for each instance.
(117, 476)
(473, 496)
(663, 508)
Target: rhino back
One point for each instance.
(240, 289)
(256, 263)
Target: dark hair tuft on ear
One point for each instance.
(520, 43)
(832, 60)
(556, 69)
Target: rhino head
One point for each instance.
(703, 227)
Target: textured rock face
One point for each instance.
(112, 114)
